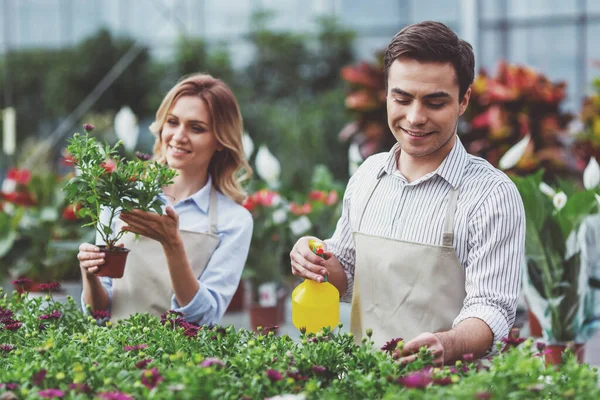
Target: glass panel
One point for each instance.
(593, 56)
(373, 13)
(553, 51)
(540, 8)
(593, 6)
(435, 10)
(490, 50)
(227, 19)
(37, 23)
(366, 48)
(86, 18)
(296, 15)
(491, 9)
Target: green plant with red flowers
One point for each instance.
(106, 180)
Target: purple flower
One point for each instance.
(39, 377)
(540, 346)
(468, 357)
(22, 281)
(5, 313)
(88, 127)
(513, 339)
(53, 315)
(274, 375)
(51, 393)
(444, 381)
(295, 375)
(416, 380)
(50, 287)
(151, 378)
(209, 362)
(483, 395)
(143, 156)
(136, 347)
(100, 314)
(391, 345)
(80, 387)
(143, 363)
(10, 386)
(7, 348)
(13, 325)
(319, 369)
(114, 396)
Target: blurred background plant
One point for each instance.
(587, 130)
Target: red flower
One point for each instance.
(13, 326)
(68, 159)
(22, 281)
(24, 199)
(88, 127)
(391, 345)
(332, 198)
(143, 363)
(69, 212)
(20, 176)
(249, 203)
(300, 209)
(513, 339)
(317, 195)
(319, 370)
(51, 287)
(266, 198)
(151, 378)
(109, 165)
(53, 315)
(39, 377)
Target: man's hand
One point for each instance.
(433, 343)
(307, 264)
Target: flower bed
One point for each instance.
(50, 350)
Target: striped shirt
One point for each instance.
(489, 227)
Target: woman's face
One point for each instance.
(187, 139)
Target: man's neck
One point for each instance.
(414, 168)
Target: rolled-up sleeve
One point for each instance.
(341, 244)
(495, 260)
(221, 277)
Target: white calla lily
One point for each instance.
(514, 154)
(547, 189)
(126, 128)
(300, 226)
(591, 174)
(559, 200)
(248, 145)
(267, 166)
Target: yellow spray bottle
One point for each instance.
(315, 305)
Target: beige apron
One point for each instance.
(401, 288)
(146, 284)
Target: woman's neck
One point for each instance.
(185, 185)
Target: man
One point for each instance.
(431, 239)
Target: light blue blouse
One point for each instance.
(220, 279)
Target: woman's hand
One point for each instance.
(90, 258)
(162, 228)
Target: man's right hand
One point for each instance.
(307, 264)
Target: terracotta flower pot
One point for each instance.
(238, 301)
(553, 353)
(535, 329)
(114, 262)
(267, 317)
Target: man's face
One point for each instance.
(423, 106)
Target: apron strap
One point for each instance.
(448, 237)
(212, 211)
(372, 185)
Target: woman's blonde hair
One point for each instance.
(229, 166)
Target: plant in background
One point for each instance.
(522, 105)
(105, 180)
(587, 129)
(555, 279)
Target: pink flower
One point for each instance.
(7, 348)
(513, 339)
(319, 369)
(136, 347)
(51, 393)
(39, 377)
(143, 363)
(468, 357)
(143, 156)
(13, 326)
(5, 313)
(88, 127)
(100, 314)
(114, 396)
(416, 380)
(151, 378)
(22, 281)
(274, 375)
(10, 386)
(209, 362)
(53, 315)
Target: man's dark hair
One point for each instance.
(433, 41)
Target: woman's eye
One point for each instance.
(197, 129)
(172, 122)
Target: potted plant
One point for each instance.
(107, 181)
(556, 281)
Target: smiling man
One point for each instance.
(430, 243)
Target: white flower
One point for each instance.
(591, 174)
(9, 185)
(248, 145)
(354, 158)
(514, 154)
(546, 189)
(287, 396)
(48, 214)
(300, 225)
(126, 128)
(267, 166)
(575, 126)
(559, 200)
(280, 216)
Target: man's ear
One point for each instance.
(462, 107)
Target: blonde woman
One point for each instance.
(191, 258)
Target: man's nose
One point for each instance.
(416, 114)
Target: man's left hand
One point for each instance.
(162, 228)
(433, 343)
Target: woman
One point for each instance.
(204, 233)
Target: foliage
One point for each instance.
(39, 234)
(587, 141)
(49, 347)
(553, 255)
(106, 180)
(517, 102)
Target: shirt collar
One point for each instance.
(451, 169)
(201, 198)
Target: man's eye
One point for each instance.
(402, 101)
(436, 105)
